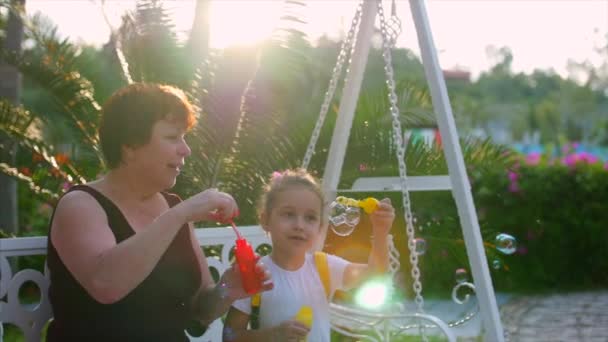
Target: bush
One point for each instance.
(557, 211)
(554, 208)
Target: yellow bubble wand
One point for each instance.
(369, 204)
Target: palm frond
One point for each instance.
(150, 47)
(70, 92)
(52, 66)
(44, 193)
(17, 124)
(274, 101)
(202, 170)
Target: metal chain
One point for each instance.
(393, 26)
(397, 133)
(345, 51)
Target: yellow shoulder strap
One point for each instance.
(323, 269)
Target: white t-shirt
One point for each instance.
(292, 289)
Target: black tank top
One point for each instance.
(158, 309)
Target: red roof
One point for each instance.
(457, 75)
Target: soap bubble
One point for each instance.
(337, 220)
(506, 244)
(336, 209)
(352, 215)
(343, 230)
(420, 246)
(461, 275)
(343, 218)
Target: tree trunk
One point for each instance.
(10, 88)
(198, 42)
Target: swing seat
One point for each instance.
(415, 183)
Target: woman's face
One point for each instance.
(162, 157)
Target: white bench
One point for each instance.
(32, 318)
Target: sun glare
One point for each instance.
(461, 29)
(242, 22)
(372, 295)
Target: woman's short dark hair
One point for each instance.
(130, 113)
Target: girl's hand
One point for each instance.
(210, 204)
(289, 331)
(232, 286)
(383, 217)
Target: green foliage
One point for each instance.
(61, 103)
(149, 43)
(558, 215)
(275, 104)
(555, 211)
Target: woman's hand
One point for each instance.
(289, 331)
(383, 217)
(210, 204)
(232, 286)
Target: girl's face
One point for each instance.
(295, 220)
(160, 160)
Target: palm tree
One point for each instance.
(235, 148)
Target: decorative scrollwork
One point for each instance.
(380, 326)
(30, 318)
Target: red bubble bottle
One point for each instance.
(246, 260)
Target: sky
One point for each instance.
(542, 34)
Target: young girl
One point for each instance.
(292, 211)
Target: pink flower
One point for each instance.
(522, 250)
(276, 175)
(66, 186)
(530, 235)
(516, 166)
(570, 160)
(45, 209)
(606, 166)
(588, 157)
(533, 158)
(513, 176)
(585, 157)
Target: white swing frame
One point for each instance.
(458, 180)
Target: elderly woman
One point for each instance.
(125, 263)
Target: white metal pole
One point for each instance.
(348, 104)
(461, 188)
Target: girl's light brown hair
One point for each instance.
(281, 181)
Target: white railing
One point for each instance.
(31, 318)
